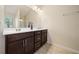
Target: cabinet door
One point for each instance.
(16, 47)
(20, 47)
(44, 36)
(29, 45)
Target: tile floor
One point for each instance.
(50, 49)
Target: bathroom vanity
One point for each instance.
(25, 42)
(23, 34)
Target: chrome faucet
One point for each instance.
(30, 25)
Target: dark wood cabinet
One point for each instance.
(15, 47)
(29, 45)
(44, 36)
(25, 43)
(38, 40)
(37, 45)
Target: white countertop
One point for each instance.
(13, 31)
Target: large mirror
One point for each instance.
(16, 14)
(19, 16)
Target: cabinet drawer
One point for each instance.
(38, 33)
(37, 45)
(44, 31)
(37, 38)
(19, 36)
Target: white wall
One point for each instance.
(62, 30)
(2, 40)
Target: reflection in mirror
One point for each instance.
(24, 12)
(19, 16)
(9, 16)
(22, 22)
(8, 21)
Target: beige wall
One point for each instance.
(62, 30)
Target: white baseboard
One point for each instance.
(67, 48)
